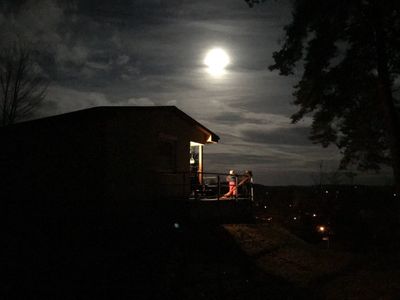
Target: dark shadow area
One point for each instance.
(88, 257)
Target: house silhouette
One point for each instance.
(101, 160)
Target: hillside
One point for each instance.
(323, 273)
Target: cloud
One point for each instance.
(139, 102)
(63, 99)
(286, 136)
(122, 59)
(172, 102)
(77, 54)
(228, 118)
(98, 66)
(32, 22)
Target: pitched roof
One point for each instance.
(103, 109)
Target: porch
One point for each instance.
(211, 186)
(208, 186)
(205, 187)
(202, 194)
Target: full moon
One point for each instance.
(216, 60)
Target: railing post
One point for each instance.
(219, 187)
(184, 185)
(251, 189)
(237, 188)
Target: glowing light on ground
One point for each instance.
(216, 60)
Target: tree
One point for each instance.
(22, 89)
(348, 53)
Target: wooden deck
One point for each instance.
(219, 199)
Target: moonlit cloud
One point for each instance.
(62, 99)
(139, 102)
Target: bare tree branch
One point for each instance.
(22, 90)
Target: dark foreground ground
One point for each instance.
(167, 260)
(136, 261)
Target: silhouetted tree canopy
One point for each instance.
(348, 55)
(22, 88)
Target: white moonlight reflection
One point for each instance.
(216, 60)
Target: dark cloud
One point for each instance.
(236, 158)
(228, 117)
(237, 118)
(287, 136)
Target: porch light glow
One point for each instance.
(210, 140)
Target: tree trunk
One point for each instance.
(386, 98)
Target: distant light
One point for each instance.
(176, 225)
(321, 228)
(294, 218)
(314, 215)
(394, 195)
(265, 206)
(326, 192)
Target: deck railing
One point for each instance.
(206, 186)
(213, 186)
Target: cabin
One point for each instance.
(108, 161)
(104, 154)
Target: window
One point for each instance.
(167, 152)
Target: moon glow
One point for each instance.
(216, 60)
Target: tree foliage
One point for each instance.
(348, 55)
(22, 88)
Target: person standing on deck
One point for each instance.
(246, 183)
(231, 179)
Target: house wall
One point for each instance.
(51, 167)
(149, 163)
(96, 161)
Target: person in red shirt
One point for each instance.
(231, 179)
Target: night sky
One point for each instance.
(151, 52)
